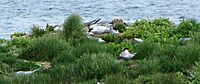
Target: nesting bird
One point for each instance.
(100, 40)
(44, 65)
(100, 28)
(26, 72)
(126, 55)
(185, 39)
(92, 23)
(138, 40)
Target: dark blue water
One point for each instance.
(20, 15)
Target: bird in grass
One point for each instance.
(100, 40)
(126, 55)
(44, 65)
(185, 39)
(138, 40)
(96, 27)
(26, 72)
(91, 24)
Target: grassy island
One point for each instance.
(169, 54)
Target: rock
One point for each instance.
(117, 21)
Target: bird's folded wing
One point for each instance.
(123, 54)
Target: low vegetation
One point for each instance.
(163, 58)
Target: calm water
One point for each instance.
(20, 15)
